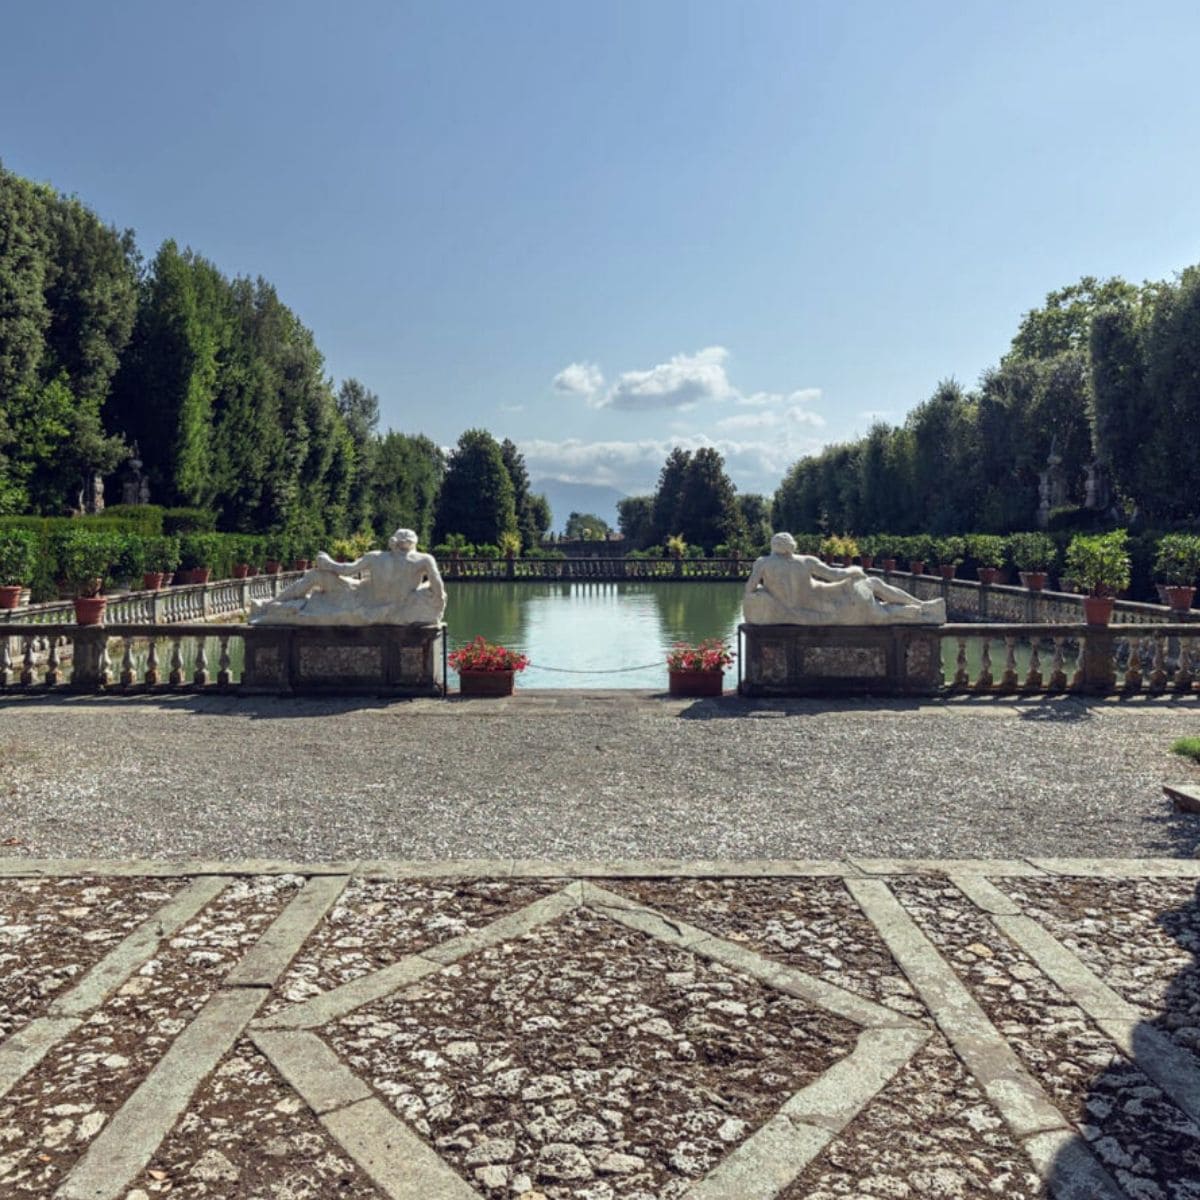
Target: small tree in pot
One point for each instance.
(160, 557)
(197, 553)
(18, 558)
(987, 549)
(1176, 566)
(87, 559)
(949, 552)
(1033, 555)
(1100, 563)
(918, 549)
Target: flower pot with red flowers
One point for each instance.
(698, 670)
(1100, 562)
(1176, 565)
(485, 668)
(18, 557)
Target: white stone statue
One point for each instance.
(398, 586)
(786, 588)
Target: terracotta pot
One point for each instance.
(696, 683)
(947, 570)
(10, 595)
(301, 564)
(486, 683)
(866, 561)
(1097, 610)
(1035, 581)
(152, 581)
(89, 610)
(987, 575)
(1179, 597)
(241, 570)
(273, 566)
(200, 574)
(889, 565)
(917, 566)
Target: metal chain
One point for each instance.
(597, 670)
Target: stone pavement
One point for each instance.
(600, 1031)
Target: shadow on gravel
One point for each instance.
(1166, 1159)
(734, 707)
(271, 708)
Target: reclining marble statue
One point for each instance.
(786, 588)
(396, 586)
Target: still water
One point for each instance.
(591, 635)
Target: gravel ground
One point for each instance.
(596, 775)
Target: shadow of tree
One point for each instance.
(1141, 1117)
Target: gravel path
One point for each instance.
(597, 775)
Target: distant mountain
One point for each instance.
(566, 498)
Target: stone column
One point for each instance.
(1099, 672)
(89, 666)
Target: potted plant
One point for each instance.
(1099, 563)
(889, 548)
(1176, 565)
(18, 557)
(949, 551)
(87, 559)
(486, 669)
(987, 549)
(275, 551)
(1033, 555)
(160, 556)
(698, 670)
(130, 562)
(867, 552)
(242, 552)
(918, 549)
(197, 553)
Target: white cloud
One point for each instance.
(682, 382)
(772, 419)
(632, 466)
(768, 399)
(579, 379)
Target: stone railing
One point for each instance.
(218, 600)
(538, 570)
(969, 600)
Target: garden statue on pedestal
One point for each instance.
(396, 586)
(786, 588)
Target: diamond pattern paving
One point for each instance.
(975, 1031)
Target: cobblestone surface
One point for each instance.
(564, 1054)
(618, 775)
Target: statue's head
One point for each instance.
(783, 543)
(403, 539)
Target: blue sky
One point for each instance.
(606, 228)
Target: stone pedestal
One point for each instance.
(841, 660)
(375, 660)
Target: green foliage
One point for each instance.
(635, 519)
(1178, 559)
(147, 519)
(487, 550)
(918, 548)
(676, 545)
(949, 551)
(987, 549)
(188, 520)
(510, 545)
(709, 510)
(476, 499)
(1188, 747)
(1100, 562)
(18, 554)
(130, 561)
(160, 554)
(586, 527)
(839, 546)
(1032, 551)
(200, 550)
(86, 558)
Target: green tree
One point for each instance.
(587, 527)
(533, 518)
(1064, 321)
(476, 499)
(635, 519)
(405, 484)
(668, 497)
(709, 513)
(756, 519)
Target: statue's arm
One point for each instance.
(436, 584)
(828, 574)
(347, 568)
(756, 574)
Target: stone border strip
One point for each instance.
(790, 980)
(568, 869)
(1175, 1070)
(135, 1131)
(770, 1159)
(1017, 1096)
(24, 1049)
(338, 1001)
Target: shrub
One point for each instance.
(147, 519)
(487, 550)
(808, 543)
(1100, 562)
(676, 546)
(987, 549)
(160, 554)
(18, 556)
(189, 520)
(1178, 559)
(87, 557)
(949, 550)
(131, 558)
(510, 545)
(918, 548)
(1032, 551)
(199, 550)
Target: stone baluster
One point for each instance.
(224, 676)
(985, 681)
(152, 663)
(5, 663)
(176, 676)
(52, 672)
(1009, 680)
(962, 677)
(200, 676)
(128, 677)
(1033, 677)
(1058, 668)
(1158, 672)
(27, 663)
(1133, 668)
